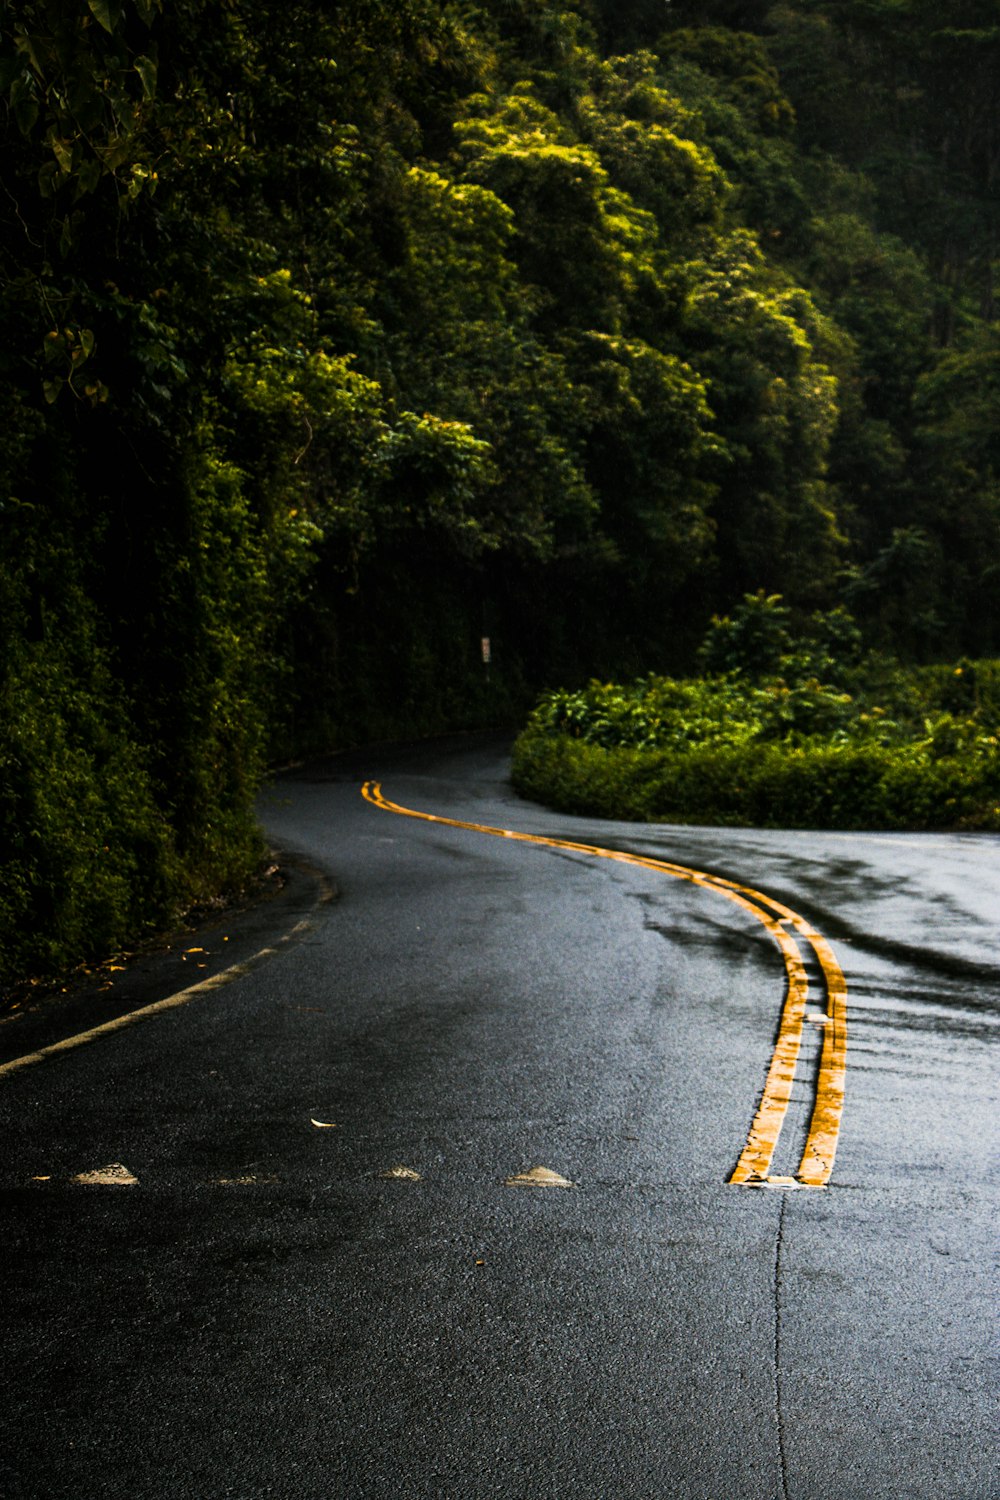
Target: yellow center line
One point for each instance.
(754, 1165)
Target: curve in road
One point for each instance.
(754, 1166)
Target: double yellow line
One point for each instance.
(754, 1166)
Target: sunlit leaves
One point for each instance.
(650, 442)
(458, 238)
(559, 197)
(653, 144)
(437, 472)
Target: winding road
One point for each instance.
(503, 1155)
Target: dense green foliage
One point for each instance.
(336, 337)
(764, 785)
(786, 730)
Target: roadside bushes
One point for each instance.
(761, 785)
(766, 742)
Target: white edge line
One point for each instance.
(182, 997)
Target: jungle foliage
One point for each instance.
(336, 337)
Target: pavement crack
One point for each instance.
(779, 1416)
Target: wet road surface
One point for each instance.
(262, 1312)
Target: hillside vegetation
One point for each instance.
(336, 338)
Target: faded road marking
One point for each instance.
(754, 1164)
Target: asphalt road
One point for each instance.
(262, 1312)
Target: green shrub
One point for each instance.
(725, 751)
(749, 642)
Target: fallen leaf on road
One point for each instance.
(402, 1174)
(113, 1175)
(539, 1177)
